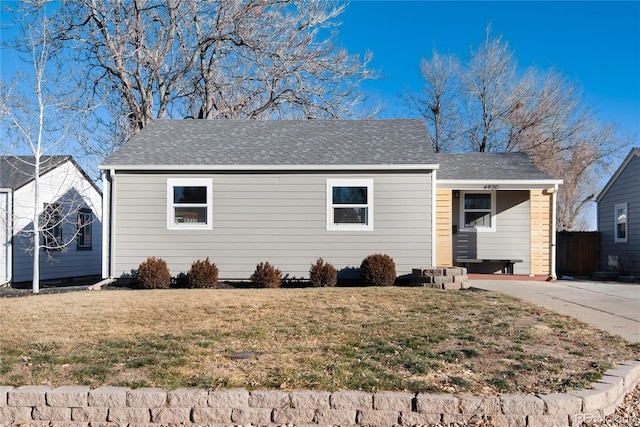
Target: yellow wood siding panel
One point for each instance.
(541, 228)
(444, 223)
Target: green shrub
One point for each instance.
(153, 274)
(378, 270)
(323, 274)
(266, 276)
(203, 274)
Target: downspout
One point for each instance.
(553, 232)
(434, 236)
(108, 232)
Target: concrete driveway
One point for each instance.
(612, 307)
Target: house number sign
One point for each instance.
(491, 187)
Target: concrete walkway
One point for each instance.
(612, 307)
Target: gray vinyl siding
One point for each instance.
(625, 189)
(279, 218)
(511, 238)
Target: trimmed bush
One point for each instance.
(378, 270)
(266, 276)
(203, 274)
(153, 274)
(322, 274)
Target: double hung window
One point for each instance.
(189, 204)
(85, 218)
(52, 226)
(620, 222)
(478, 211)
(350, 204)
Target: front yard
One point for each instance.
(369, 339)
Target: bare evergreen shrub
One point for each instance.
(266, 276)
(153, 273)
(203, 274)
(323, 274)
(378, 270)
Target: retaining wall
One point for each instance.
(118, 406)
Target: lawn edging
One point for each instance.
(81, 406)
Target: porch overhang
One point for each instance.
(497, 185)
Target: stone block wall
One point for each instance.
(152, 407)
(440, 278)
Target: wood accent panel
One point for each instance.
(444, 224)
(541, 228)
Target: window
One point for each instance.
(85, 218)
(620, 221)
(52, 226)
(478, 211)
(350, 204)
(189, 204)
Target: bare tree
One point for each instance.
(552, 121)
(436, 103)
(541, 113)
(487, 80)
(39, 116)
(229, 59)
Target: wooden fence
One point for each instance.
(577, 253)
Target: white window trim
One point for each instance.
(189, 182)
(491, 229)
(83, 228)
(624, 206)
(349, 182)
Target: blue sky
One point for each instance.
(596, 44)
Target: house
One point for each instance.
(241, 192)
(72, 205)
(619, 217)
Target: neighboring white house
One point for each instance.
(290, 191)
(619, 217)
(76, 206)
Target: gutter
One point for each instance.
(277, 168)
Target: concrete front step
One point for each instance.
(440, 277)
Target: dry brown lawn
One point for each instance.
(370, 339)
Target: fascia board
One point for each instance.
(488, 184)
(252, 168)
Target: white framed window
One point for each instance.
(620, 223)
(189, 204)
(85, 218)
(52, 226)
(350, 204)
(478, 211)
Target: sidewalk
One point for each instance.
(612, 307)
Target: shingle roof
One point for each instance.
(275, 142)
(255, 143)
(16, 171)
(488, 166)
